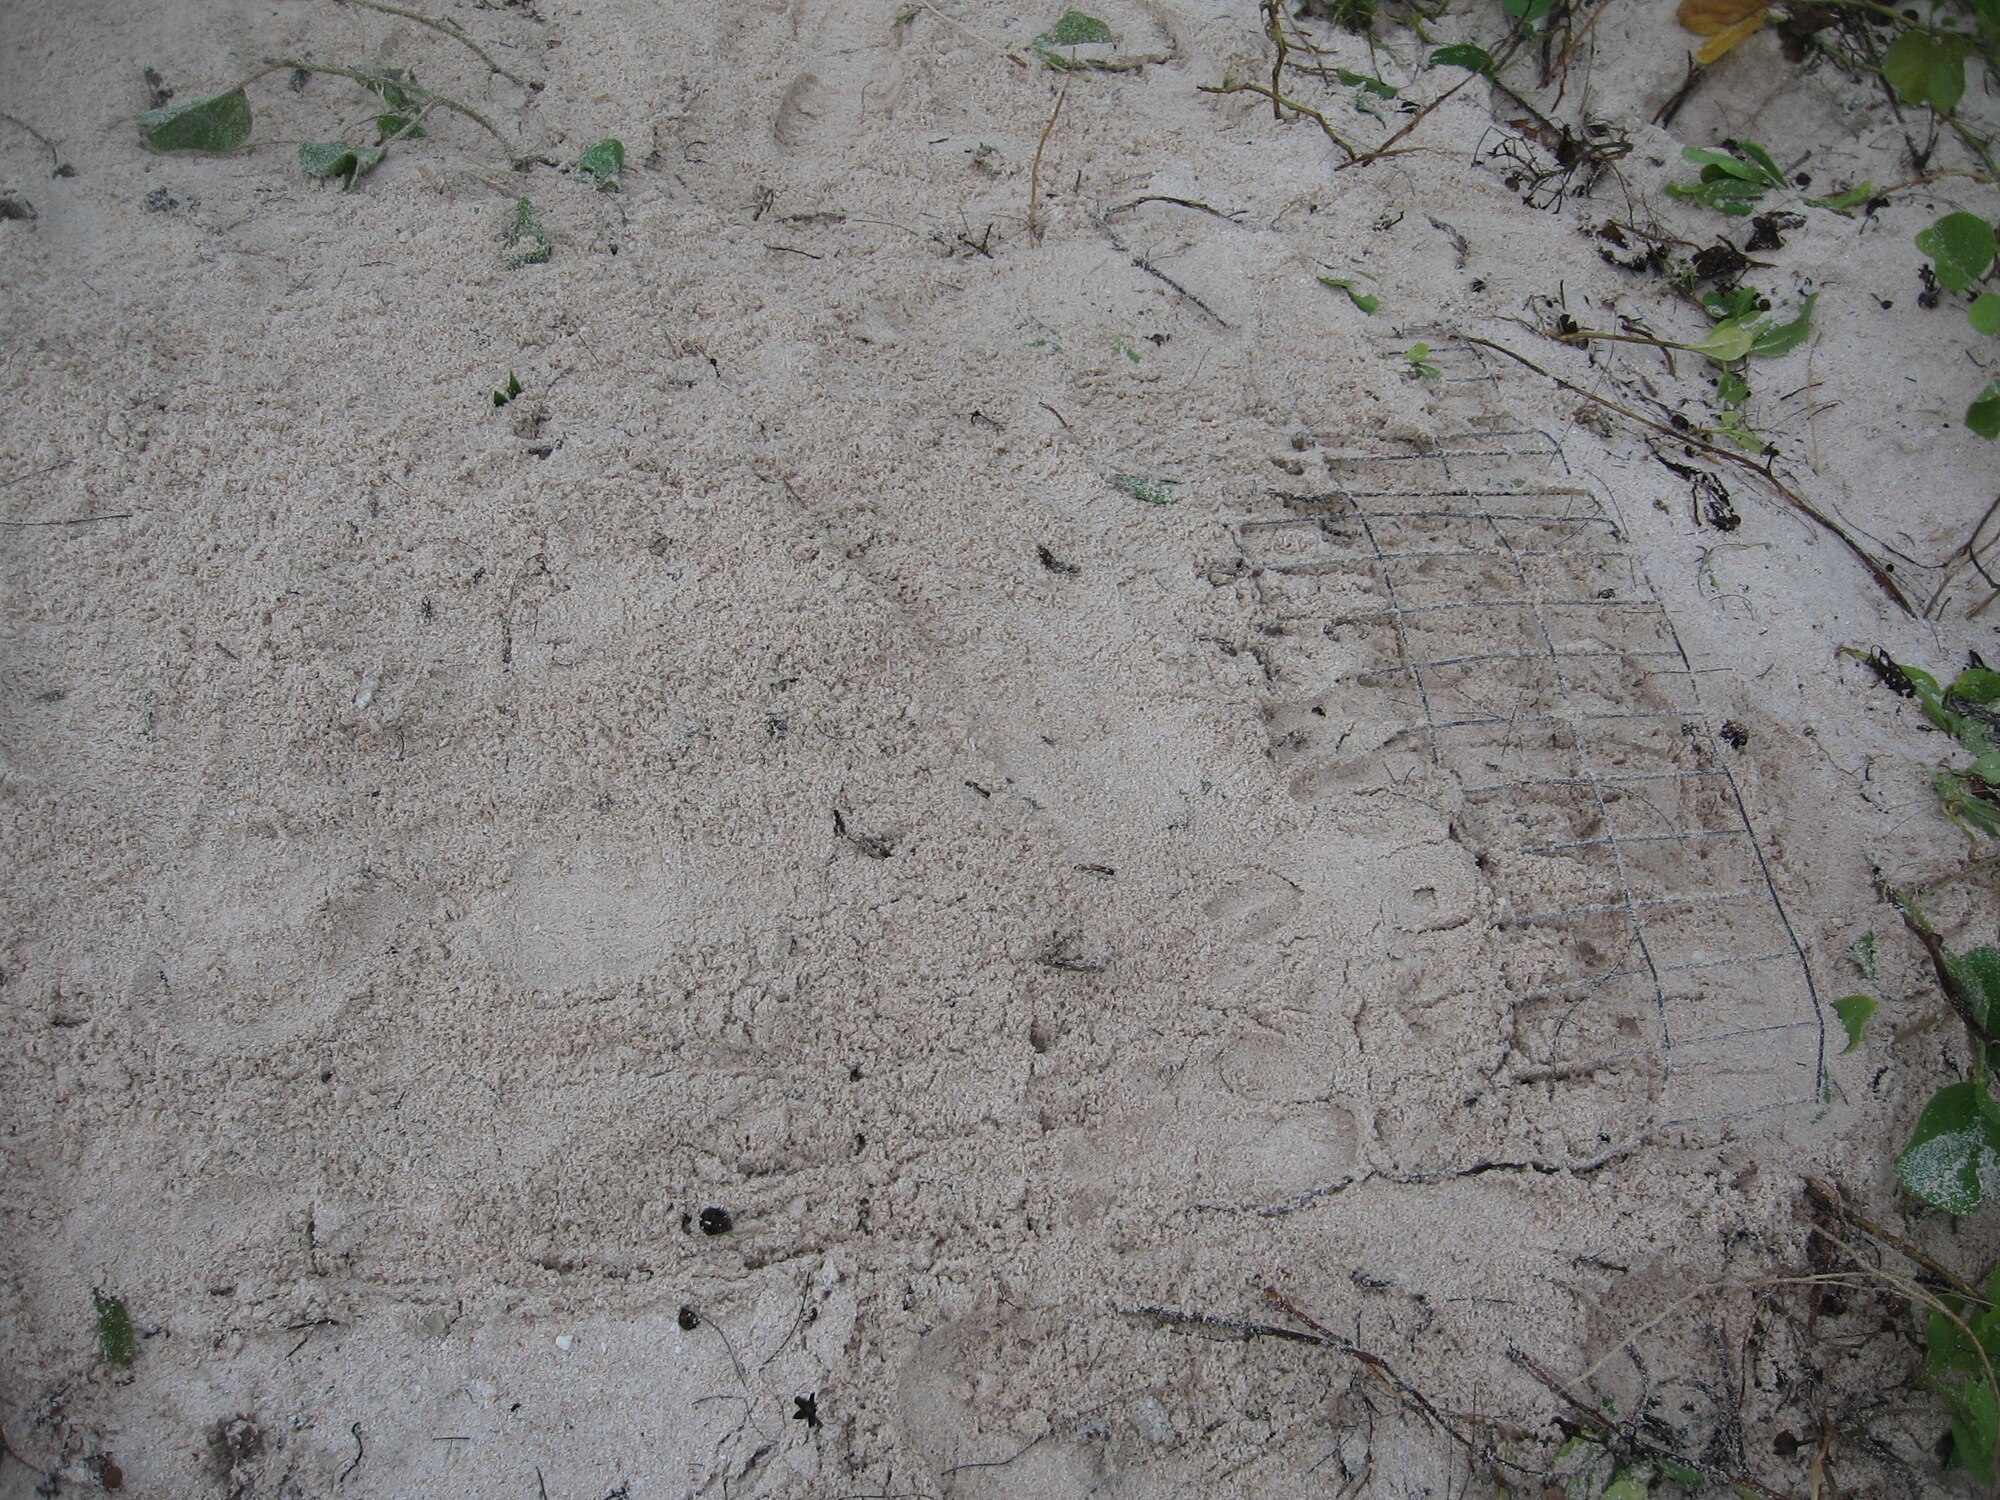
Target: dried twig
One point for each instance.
(1322, 1338)
(1292, 104)
(444, 28)
(1824, 1195)
(1593, 1417)
(1035, 169)
(1876, 569)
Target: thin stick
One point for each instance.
(1826, 1196)
(1415, 120)
(1292, 104)
(1320, 1338)
(443, 28)
(1638, 1445)
(1013, 57)
(1274, 28)
(48, 145)
(1790, 496)
(124, 515)
(1035, 169)
(374, 79)
(1969, 548)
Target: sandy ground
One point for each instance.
(769, 774)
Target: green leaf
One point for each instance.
(1737, 302)
(1766, 167)
(1365, 83)
(397, 128)
(1862, 951)
(1955, 1152)
(529, 244)
(1847, 201)
(1727, 341)
(387, 85)
(1961, 245)
(1629, 1484)
(214, 122)
(1854, 1013)
(1773, 339)
(1461, 55)
(1977, 975)
(1925, 68)
(326, 159)
(1528, 12)
(1725, 193)
(1368, 302)
(603, 162)
(1976, 685)
(508, 391)
(114, 1329)
(1984, 313)
(1139, 487)
(1731, 390)
(1724, 162)
(1073, 29)
(1682, 1475)
(1983, 416)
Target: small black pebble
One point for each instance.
(689, 1320)
(717, 1221)
(1734, 735)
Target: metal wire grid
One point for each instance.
(1466, 603)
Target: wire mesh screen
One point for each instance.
(1467, 605)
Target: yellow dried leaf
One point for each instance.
(1713, 17)
(1722, 41)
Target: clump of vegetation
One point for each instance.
(1952, 1160)
(1144, 488)
(1961, 248)
(116, 1344)
(528, 244)
(223, 120)
(603, 163)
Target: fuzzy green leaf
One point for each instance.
(1983, 416)
(115, 1341)
(1961, 246)
(1977, 975)
(1855, 1012)
(603, 162)
(1075, 29)
(1979, 685)
(1139, 487)
(1955, 1154)
(397, 128)
(214, 122)
(325, 159)
(387, 84)
(529, 244)
(1984, 313)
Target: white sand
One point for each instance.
(423, 896)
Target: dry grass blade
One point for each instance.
(443, 28)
